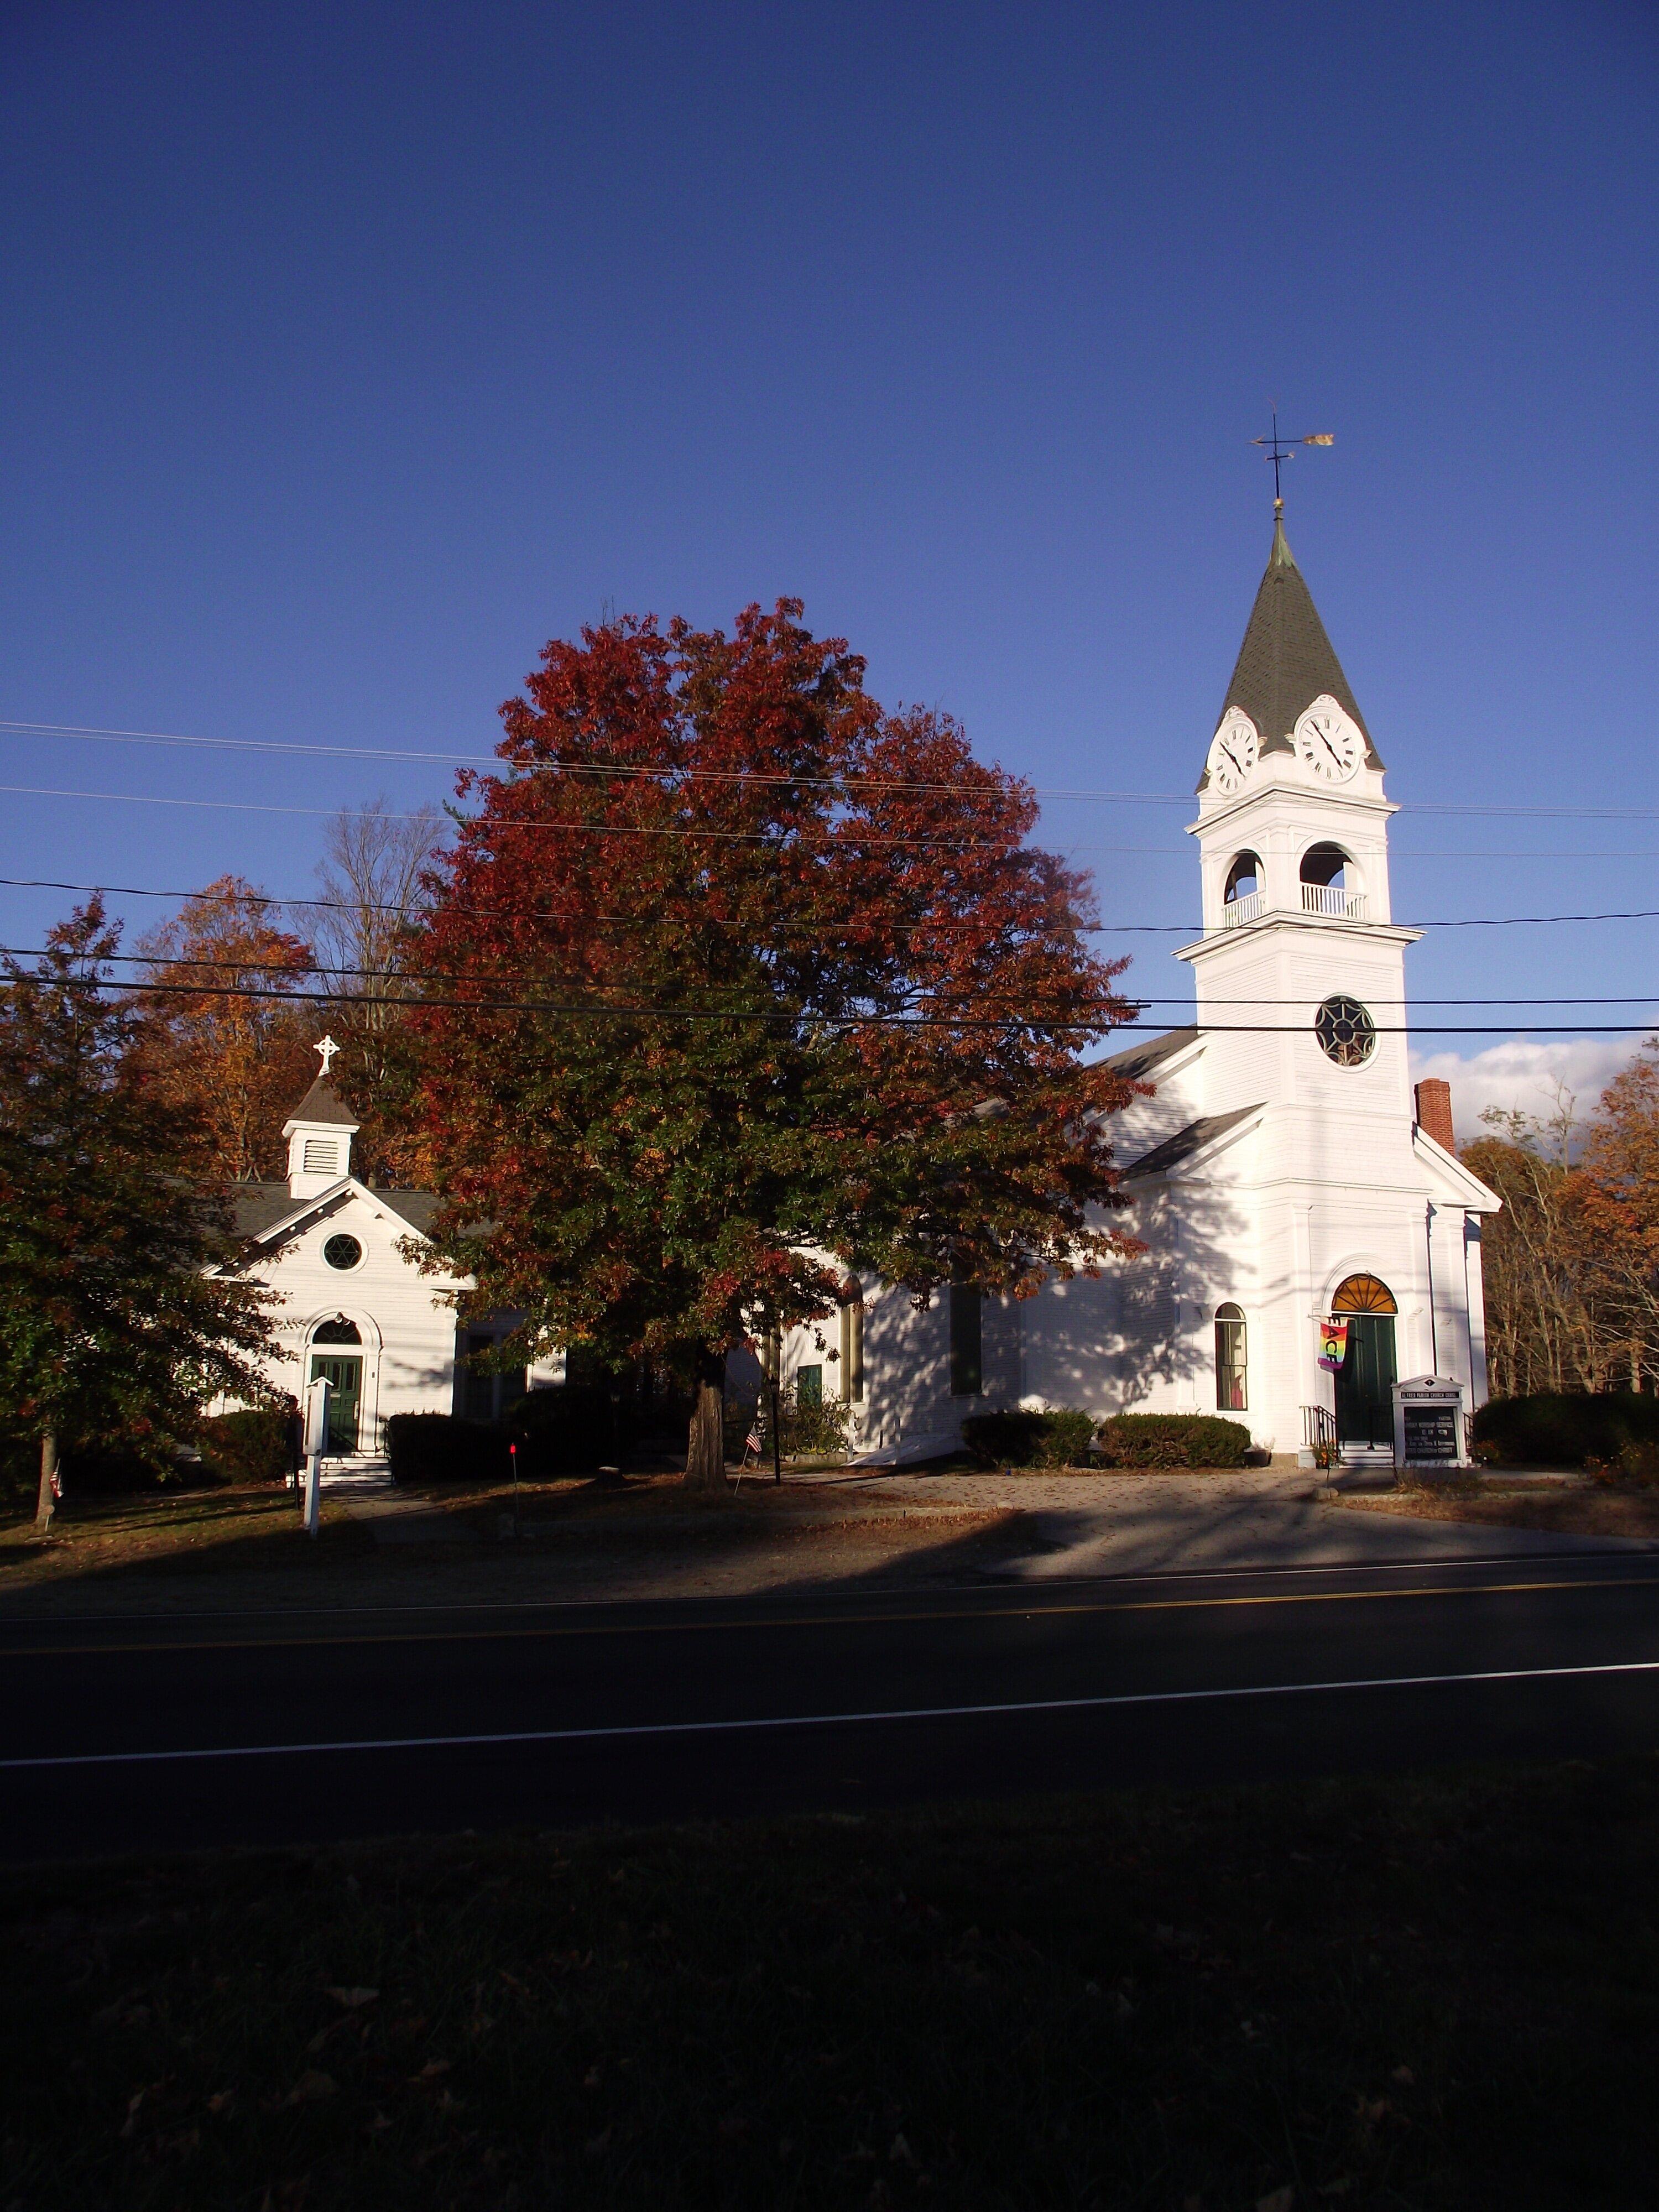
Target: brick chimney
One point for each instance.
(1434, 1111)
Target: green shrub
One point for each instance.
(1173, 1440)
(105, 1467)
(1060, 1438)
(437, 1448)
(1565, 1428)
(248, 1446)
(802, 1429)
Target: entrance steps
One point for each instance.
(1366, 1455)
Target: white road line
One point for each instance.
(616, 1732)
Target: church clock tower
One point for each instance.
(1300, 971)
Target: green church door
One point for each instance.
(1364, 1382)
(344, 1373)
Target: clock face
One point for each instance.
(1328, 744)
(1232, 751)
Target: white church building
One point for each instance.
(1282, 1169)
(1285, 1169)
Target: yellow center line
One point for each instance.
(1027, 1612)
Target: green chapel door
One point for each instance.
(1364, 1382)
(344, 1373)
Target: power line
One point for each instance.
(804, 1017)
(1139, 999)
(715, 921)
(841, 834)
(627, 771)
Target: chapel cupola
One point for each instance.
(320, 1132)
(1285, 666)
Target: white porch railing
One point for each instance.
(1237, 912)
(1331, 899)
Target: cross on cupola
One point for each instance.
(325, 1049)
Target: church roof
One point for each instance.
(1192, 1138)
(255, 1208)
(323, 1105)
(1142, 1058)
(1286, 660)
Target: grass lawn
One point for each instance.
(1438, 1993)
(1599, 1509)
(244, 1545)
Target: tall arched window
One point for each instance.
(851, 1341)
(1231, 1393)
(1231, 1388)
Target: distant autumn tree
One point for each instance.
(238, 1063)
(752, 982)
(113, 1325)
(1571, 1264)
(371, 881)
(1542, 1321)
(1617, 1195)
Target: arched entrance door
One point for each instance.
(1364, 1381)
(344, 1372)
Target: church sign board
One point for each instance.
(1429, 1425)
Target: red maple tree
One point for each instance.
(742, 981)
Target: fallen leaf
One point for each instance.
(311, 2087)
(354, 1999)
(597, 2146)
(900, 2153)
(431, 2070)
(1277, 2200)
(1404, 2075)
(218, 2102)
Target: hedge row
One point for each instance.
(1067, 1437)
(1060, 1438)
(1566, 1431)
(564, 1429)
(1173, 1440)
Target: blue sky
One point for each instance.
(349, 354)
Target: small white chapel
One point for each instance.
(1284, 1170)
(354, 1304)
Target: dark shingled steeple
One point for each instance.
(324, 1105)
(1286, 660)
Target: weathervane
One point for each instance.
(1284, 450)
(326, 1047)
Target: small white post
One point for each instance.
(316, 1444)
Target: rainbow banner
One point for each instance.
(1334, 1341)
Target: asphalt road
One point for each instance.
(133, 1733)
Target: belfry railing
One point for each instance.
(1331, 899)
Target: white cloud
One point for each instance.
(1521, 1077)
